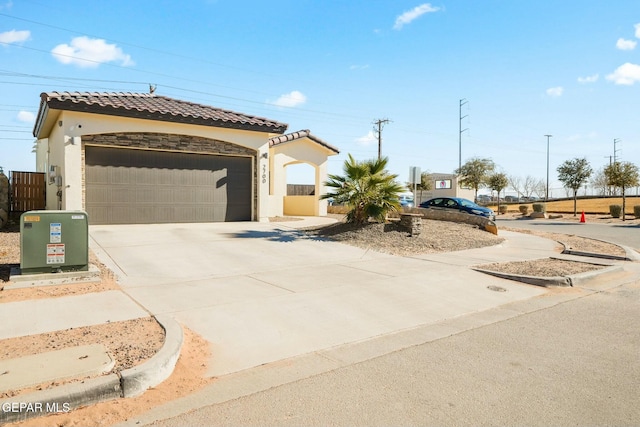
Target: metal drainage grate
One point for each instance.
(496, 288)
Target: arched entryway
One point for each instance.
(302, 190)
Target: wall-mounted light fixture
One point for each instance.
(265, 155)
(60, 123)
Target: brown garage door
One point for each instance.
(125, 186)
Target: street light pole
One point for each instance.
(546, 197)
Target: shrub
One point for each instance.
(539, 207)
(524, 209)
(615, 210)
(636, 211)
(503, 209)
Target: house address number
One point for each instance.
(264, 173)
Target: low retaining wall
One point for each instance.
(450, 215)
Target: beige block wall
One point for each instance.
(300, 205)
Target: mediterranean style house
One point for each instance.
(134, 158)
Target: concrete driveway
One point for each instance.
(262, 292)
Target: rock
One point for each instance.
(538, 215)
(4, 218)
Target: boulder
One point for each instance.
(4, 218)
(538, 215)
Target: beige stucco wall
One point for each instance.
(71, 126)
(454, 191)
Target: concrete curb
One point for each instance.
(588, 276)
(137, 380)
(630, 254)
(61, 399)
(532, 280)
(129, 383)
(571, 280)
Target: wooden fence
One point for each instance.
(28, 191)
(301, 190)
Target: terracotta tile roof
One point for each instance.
(305, 133)
(155, 107)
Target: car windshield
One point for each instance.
(468, 204)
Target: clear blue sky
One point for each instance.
(568, 68)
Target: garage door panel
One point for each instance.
(134, 186)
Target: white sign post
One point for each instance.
(415, 177)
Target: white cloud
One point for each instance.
(368, 139)
(589, 79)
(626, 74)
(637, 27)
(26, 117)
(623, 44)
(555, 91)
(292, 99)
(14, 36)
(413, 14)
(89, 53)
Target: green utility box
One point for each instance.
(54, 241)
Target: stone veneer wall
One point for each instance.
(454, 216)
(171, 142)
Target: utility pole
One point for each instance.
(463, 101)
(546, 197)
(615, 150)
(609, 187)
(380, 124)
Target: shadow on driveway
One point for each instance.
(282, 236)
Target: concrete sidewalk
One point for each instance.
(38, 316)
(264, 292)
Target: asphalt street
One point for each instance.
(621, 233)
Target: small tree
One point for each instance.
(474, 173)
(515, 182)
(498, 182)
(623, 175)
(366, 188)
(528, 186)
(539, 188)
(574, 173)
(599, 182)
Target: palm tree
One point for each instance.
(366, 188)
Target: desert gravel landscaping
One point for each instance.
(542, 268)
(436, 236)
